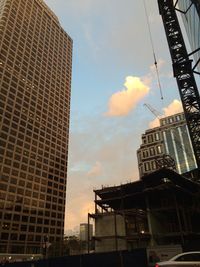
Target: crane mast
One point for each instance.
(183, 72)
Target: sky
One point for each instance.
(113, 76)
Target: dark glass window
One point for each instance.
(189, 257)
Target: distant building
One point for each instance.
(35, 88)
(191, 19)
(171, 138)
(84, 234)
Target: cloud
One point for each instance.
(160, 64)
(102, 153)
(173, 108)
(78, 209)
(123, 102)
(154, 123)
(96, 170)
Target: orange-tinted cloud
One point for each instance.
(77, 213)
(122, 102)
(160, 64)
(96, 170)
(154, 123)
(171, 109)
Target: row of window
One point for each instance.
(31, 168)
(35, 153)
(38, 138)
(36, 187)
(29, 66)
(54, 120)
(29, 211)
(47, 84)
(23, 120)
(30, 237)
(32, 159)
(34, 183)
(13, 198)
(30, 165)
(173, 119)
(39, 98)
(27, 157)
(34, 20)
(150, 166)
(6, 225)
(51, 132)
(151, 152)
(150, 138)
(35, 202)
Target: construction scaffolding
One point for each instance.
(160, 209)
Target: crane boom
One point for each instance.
(183, 72)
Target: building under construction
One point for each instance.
(160, 209)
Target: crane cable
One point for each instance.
(153, 50)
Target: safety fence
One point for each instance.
(134, 258)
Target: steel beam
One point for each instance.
(183, 72)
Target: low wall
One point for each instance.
(135, 258)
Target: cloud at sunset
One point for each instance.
(160, 65)
(123, 102)
(174, 107)
(96, 170)
(108, 153)
(103, 138)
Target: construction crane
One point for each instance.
(183, 72)
(156, 113)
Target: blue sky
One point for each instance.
(113, 76)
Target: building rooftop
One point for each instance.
(131, 195)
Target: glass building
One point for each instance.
(191, 19)
(170, 138)
(35, 85)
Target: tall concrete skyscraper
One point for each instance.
(170, 138)
(35, 81)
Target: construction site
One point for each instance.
(160, 211)
(158, 216)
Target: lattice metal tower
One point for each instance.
(183, 71)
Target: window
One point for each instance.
(146, 166)
(157, 137)
(150, 138)
(22, 237)
(4, 236)
(152, 151)
(159, 150)
(189, 257)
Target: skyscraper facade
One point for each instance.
(170, 138)
(35, 82)
(191, 19)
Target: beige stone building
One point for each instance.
(171, 138)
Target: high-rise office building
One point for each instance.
(191, 19)
(170, 138)
(35, 81)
